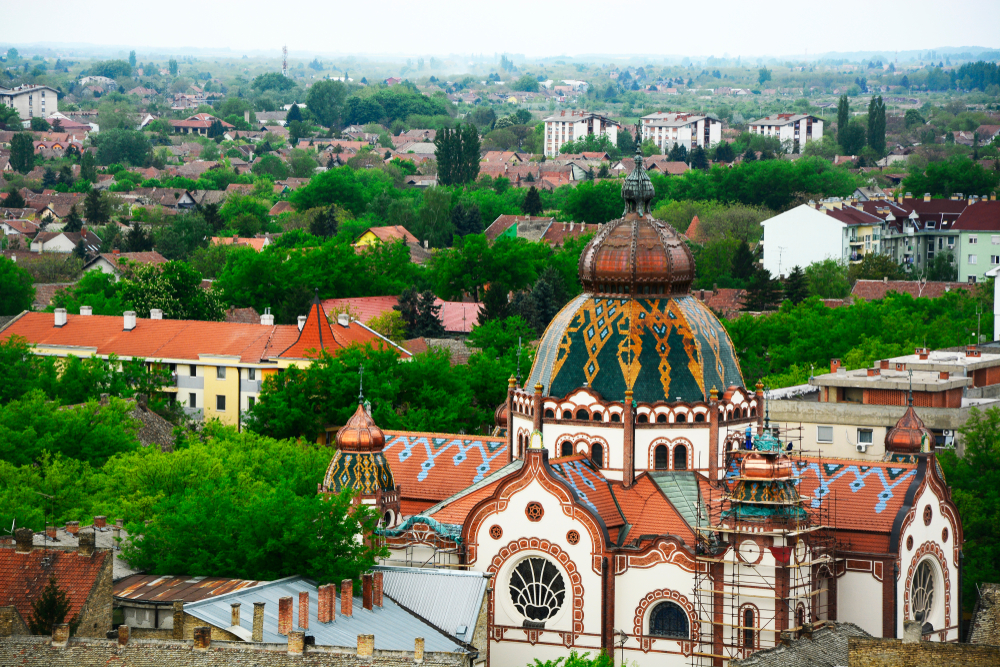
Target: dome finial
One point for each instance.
(637, 191)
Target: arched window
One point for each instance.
(566, 449)
(681, 418)
(753, 412)
(660, 457)
(669, 620)
(550, 413)
(643, 418)
(537, 589)
(680, 457)
(922, 594)
(800, 615)
(567, 414)
(700, 417)
(749, 631)
(744, 413)
(598, 417)
(615, 417)
(597, 455)
(661, 418)
(582, 414)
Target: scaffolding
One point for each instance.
(794, 594)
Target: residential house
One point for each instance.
(147, 601)
(572, 125)
(655, 164)
(24, 228)
(30, 100)
(669, 129)
(871, 290)
(534, 228)
(217, 367)
(111, 262)
(796, 129)
(978, 249)
(66, 241)
(258, 243)
(918, 228)
(419, 254)
(198, 124)
(457, 317)
(804, 235)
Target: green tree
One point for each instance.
(88, 167)
(577, 660)
(272, 81)
(22, 152)
(173, 287)
(678, 153)
(121, 146)
(828, 279)
(421, 316)
(494, 304)
(852, 138)
(526, 83)
(14, 199)
(912, 118)
(271, 165)
(18, 292)
(294, 113)
(875, 266)
(326, 101)
(743, 262)
(51, 609)
(457, 154)
(763, 75)
(594, 202)
(699, 159)
(532, 204)
(96, 208)
(39, 124)
(724, 152)
(796, 286)
(943, 268)
(131, 59)
(183, 236)
(172, 66)
(763, 293)
(876, 125)
(843, 119)
(73, 222)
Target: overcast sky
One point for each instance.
(514, 26)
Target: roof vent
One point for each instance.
(302, 321)
(267, 319)
(156, 314)
(343, 319)
(60, 317)
(129, 320)
(86, 310)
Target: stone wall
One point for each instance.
(39, 652)
(11, 622)
(986, 616)
(897, 653)
(96, 614)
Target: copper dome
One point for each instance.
(637, 255)
(907, 435)
(360, 434)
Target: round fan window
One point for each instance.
(922, 592)
(534, 511)
(573, 537)
(928, 515)
(537, 589)
(496, 532)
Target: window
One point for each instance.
(193, 370)
(537, 589)
(681, 418)
(192, 401)
(669, 620)
(994, 259)
(251, 401)
(749, 628)
(922, 593)
(699, 417)
(220, 403)
(582, 414)
(567, 414)
(680, 457)
(864, 436)
(643, 418)
(251, 373)
(566, 449)
(661, 418)
(220, 373)
(550, 413)
(800, 615)
(615, 417)
(973, 259)
(597, 455)
(824, 434)
(660, 457)
(995, 239)
(973, 240)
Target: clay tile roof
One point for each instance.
(877, 289)
(315, 336)
(24, 576)
(694, 231)
(456, 512)
(981, 216)
(243, 316)
(649, 512)
(151, 257)
(592, 490)
(280, 207)
(392, 233)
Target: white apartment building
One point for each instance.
(30, 100)
(669, 128)
(790, 127)
(571, 125)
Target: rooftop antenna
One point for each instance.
(284, 61)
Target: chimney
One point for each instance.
(807, 630)
(927, 196)
(129, 320)
(24, 538)
(536, 408)
(258, 622)
(912, 631)
(296, 638)
(427, 244)
(123, 633)
(418, 650)
(86, 311)
(116, 251)
(944, 375)
(302, 321)
(234, 614)
(72, 527)
(156, 314)
(87, 544)
(323, 598)
(105, 399)
(366, 591)
(60, 317)
(202, 638)
(178, 632)
(366, 646)
(344, 320)
(923, 353)
(786, 638)
(284, 615)
(971, 351)
(834, 365)
(267, 319)
(377, 590)
(60, 635)
(303, 610)
(50, 532)
(346, 598)
(885, 279)
(873, 372)
(100, 522)
(628, 424)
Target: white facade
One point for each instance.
(689, 130)
(792, 128)
(575, 125)
(800, 237)
(31, 101)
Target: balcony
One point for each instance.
(190, 382)
(250, 386)
(194, 414)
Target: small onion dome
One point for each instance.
(758, 466)
(908, 434)
(500, 416)
(360, 434)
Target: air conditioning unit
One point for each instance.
(947, 432)
(863, 447)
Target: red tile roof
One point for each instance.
(392, 233)
(456, 512)
(649, 511)
(281, 207)
(24, 576)
(694, 230)
(877, 289)
(456, 316)
(152, 257)
(981, 216)
(592, 490)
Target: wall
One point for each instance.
(987, 244)
(38, 652)
(800, 237)
(228, 387)
(96, 615)
(894, 653)
(858, 601)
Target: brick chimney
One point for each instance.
(944, 375)
(346, 598)
(874, 372)
(923, 353)
(284, 615)
(296, 642)
(883, 364)
(377, 590)
(178, 632)
(258, 622)
(123, 633)
(60, 635)
(24, 538)
(325, 596)
(50, 532)
(72, 527)
(972, 351)
(366, 591)
(202, 638)
(234, 614)
(834, 365)
(418, 650)
(88, 540)
(100, 522)
(366, 646)
(303, 610)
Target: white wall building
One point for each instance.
(31, 101)
(668, 129)
(800, 237)
(571, 125)
(789, 127)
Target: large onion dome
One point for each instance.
(359, 464)
(909, 435)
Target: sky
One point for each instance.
(529, 27)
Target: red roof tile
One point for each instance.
(981, 216)
(24, 576)
(877, 289)
(592, 489)
(649, 512)
(314, 337)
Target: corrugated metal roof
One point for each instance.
(450, 600)
(166, 589)
(681, 489)
(393, 626)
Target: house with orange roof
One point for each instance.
(258, 243)
(112, 262)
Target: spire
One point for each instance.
(637, 191)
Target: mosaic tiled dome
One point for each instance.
(636, 326)
(359, 463)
